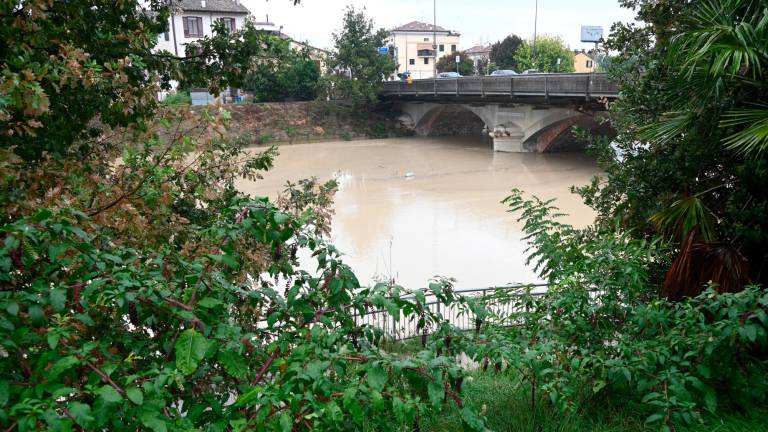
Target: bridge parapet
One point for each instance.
(568, 86)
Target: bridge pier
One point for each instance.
(514, 128)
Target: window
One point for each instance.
(442, 47)
(412, 62)
(426, 60)
(167, 36)
(193, 27)
(426, 39)
(229, 23)
(589, 63)
(453, 48)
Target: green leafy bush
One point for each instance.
(600, 336)
(178, 98)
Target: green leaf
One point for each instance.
(109, 394)
(53, 339)
(653, 418)
(58, 299)
(36, 314)
(60, 366)
(4, 392)
(285, 422)
(377, 378)
(81, 413)
(12, 308)
(135, 395)
(209, 303)
(436, 392)
(234, 364)
(190, 350)
(150, 420)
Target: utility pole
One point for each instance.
(434, 39)
(535, 28)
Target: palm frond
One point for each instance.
(753, 138)
(685, 216)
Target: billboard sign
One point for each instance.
(591, 33)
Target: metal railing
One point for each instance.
(582, 85)
(402, 327)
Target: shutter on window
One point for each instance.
(233, 24)
(199, 26)
(186, 26)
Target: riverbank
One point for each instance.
(315, 121)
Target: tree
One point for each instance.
(140, 290)
(285, 75)
(550, 55)
(358, 68)
(447, 63)
(504, 53)
(689, 134)
(60, 77)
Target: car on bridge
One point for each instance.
(532, 72)
(448, 75)
(503, 72)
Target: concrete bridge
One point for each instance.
(521, 113)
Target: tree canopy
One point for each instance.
(286, 74)
(447, 63)
(68, 63)
(504, 53)
(550, 54)
(356, 65)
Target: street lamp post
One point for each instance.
(434, 39)
(535, 28)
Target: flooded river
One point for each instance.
(414, 208)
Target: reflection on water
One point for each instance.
(414, 208)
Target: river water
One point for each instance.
(414, 208)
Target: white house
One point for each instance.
(193, 19)
(414, 47)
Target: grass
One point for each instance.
(506, 405)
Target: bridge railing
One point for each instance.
(402, 328)
(590, 85)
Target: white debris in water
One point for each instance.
(410, 175)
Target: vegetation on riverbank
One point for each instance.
(301, 122)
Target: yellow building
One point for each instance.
(583, 62)
(412, 46)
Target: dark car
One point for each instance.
(448, 75)
(404, 75)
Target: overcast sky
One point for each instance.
(478, 21)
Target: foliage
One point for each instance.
(447, 63)
(504, 53)
(683, 102)
(356, 65)
(65, 64)
(597, 336)
(550, 54)
(178, 98)
(152, 295)
(286, 75)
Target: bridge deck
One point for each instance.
(573, 85)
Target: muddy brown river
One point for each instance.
(414, 208)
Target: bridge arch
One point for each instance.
(452, 119)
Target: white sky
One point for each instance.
(478, 21)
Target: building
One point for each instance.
(413, 47)
(479, 54)
(583, 62)
(193, 19)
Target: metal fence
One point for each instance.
(587, 85)
(402, 327)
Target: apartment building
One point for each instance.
(413, 47)
(583, 62)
